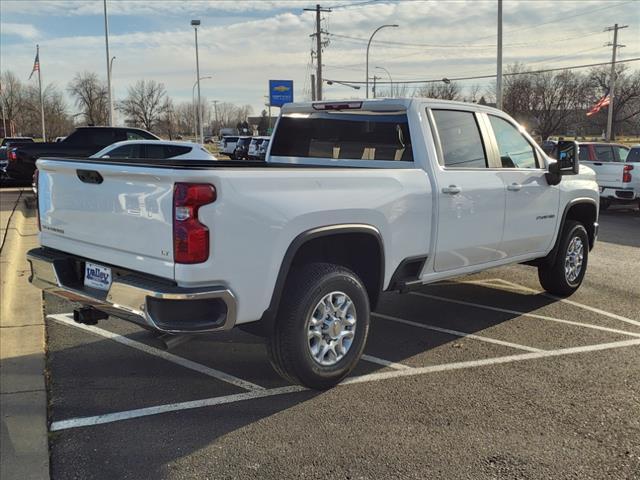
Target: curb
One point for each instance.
(24, 448)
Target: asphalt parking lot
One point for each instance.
(481, 377)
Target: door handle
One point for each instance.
(514, 187)
(451, 189)
(598, 163)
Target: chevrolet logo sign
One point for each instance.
(281, 88)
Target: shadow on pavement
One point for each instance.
(89, 376)
(620, 225)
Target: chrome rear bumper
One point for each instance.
(145, 300)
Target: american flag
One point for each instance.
(603, 102)
(36, 65)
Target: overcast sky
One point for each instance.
(243, 44)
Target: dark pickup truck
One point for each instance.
(83, 142)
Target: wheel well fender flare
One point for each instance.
(268, 317)
(576, 201)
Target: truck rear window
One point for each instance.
(351, 136)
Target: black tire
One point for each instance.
(605, 203)
(288, 343)
(552, 276)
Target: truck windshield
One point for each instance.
(338, 135)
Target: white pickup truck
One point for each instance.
(355, 198)
(617, 171)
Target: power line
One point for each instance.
(460, 45)
(561, 19)
(478, 77)
(354, 4)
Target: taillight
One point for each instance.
(626, 173)
(12, 156)
(190, 237)
(35, 186)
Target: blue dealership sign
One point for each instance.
(280, 92)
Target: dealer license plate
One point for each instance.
(97, 276)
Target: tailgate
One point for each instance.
(123, 220)
(608, 174)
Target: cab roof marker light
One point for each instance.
(337, 106)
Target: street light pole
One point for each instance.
(106, 41)
(111, 102)
(195, 24)
(499, 60)
(369, 45)
(390, 79)
(196, 113)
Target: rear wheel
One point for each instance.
(322, 326)
(604, 203)
(564, 276)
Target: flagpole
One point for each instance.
(44, 135)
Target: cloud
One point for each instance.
(243, 51)
(24, 30)
(70, 8)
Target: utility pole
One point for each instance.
(106, 42)
(313, 87)
(375, 78)
(612, 78)
(319, 44)
(499, 60)
(215, 113)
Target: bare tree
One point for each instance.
(475, 93)
(545, 101)
(22, 107)
(90, 96)
(626, 105)
(58, 121)
(145, 103)
(12, 97)
(444, 91)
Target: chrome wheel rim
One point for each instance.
(573, 260)
(331, 328)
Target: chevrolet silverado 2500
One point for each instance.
(355, 198)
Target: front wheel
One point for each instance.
(564, 276)
(321, 327)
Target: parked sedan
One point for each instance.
(155, 149)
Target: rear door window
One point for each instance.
(341, 135)
(175, 150)
(604, 153)
(620, 154)
(460, 139)
(154, 151)
(131, 135)
(125, 151)
(103, 137)
(583, 152)
(634, 155)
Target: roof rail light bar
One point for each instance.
(337, 106)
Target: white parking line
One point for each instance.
(525, 314)
(575, 304)
(171, 407)
(373, 377)
(457, 333)
(67, 319)
(386, 363)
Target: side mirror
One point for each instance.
(105, 156)
(567, 163)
